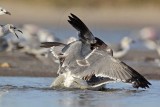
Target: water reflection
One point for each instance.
(25, 93)
(87, 98)
(82, 98)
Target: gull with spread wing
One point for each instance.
(5, 44)
(88, 63)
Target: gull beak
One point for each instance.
(7, 13)
(16, 35)
(18, 31)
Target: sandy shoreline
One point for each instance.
(25, 65)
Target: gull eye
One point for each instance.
(1, 9)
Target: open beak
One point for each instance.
(16, 35)
(7, 13)
(18, 31)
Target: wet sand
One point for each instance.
(26, 65)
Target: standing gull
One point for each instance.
(122, 49)
(150, 38)
(89, 63)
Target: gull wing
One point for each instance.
(104, 65)
(55, 47)
(84, 32)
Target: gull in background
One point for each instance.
(123, 48)
(88, 63)
(4, 11)
(30, 43)
(8, 28)
(5, 43)
(150, 38)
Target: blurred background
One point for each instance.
(94, 12)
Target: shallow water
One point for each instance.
(34, 92)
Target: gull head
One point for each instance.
(13, 29)
(3, 11)
(127, 41)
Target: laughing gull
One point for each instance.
(122, 49)
(6, 44)
(30, 43)
(4, 11)
(8, 28)
(149, 35)
(88, 63)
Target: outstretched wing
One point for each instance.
(55, 47)
(84, 32)
(50, 44)
(104, 65)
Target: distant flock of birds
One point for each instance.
(84, 63)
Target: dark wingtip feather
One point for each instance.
(71, 14)
(137, 79)
(141, 84)
(69, 21)
(70, 17)
(50, 44)
(74, 16)
(77, 23)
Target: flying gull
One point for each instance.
(8, 28)
(6, 44)
(30, 43)
(88, 63)
(4, 11)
